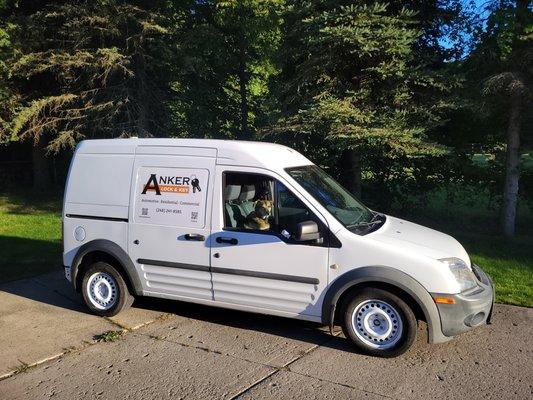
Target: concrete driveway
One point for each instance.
(178, 350)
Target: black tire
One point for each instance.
(400, 340)
(123, 298)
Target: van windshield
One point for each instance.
(337, 200)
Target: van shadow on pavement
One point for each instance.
(54, 290)
(24, 257)
(49, 289)
(304, 331)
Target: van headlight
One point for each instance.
(463, 275)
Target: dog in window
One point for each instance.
(258, 219)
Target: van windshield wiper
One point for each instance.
(375, 220)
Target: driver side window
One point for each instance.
(290, 211)
(258, 202)
(248, 201)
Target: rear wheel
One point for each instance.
(379, 323)
(104, 290)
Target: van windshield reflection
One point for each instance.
(353, 214)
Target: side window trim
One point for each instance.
(276, 199)
(224, 173)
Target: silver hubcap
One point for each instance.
(102, 290)
(377, 324)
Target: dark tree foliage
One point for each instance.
(227, 64)
(360, 85)
(89, 69)
(500, 70)
(393, 97)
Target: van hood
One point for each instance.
(419, 239)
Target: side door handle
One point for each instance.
(194, 236)
(227, 240)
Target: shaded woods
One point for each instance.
(397, 99)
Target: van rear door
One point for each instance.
(170, 220)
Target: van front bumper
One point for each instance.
(471, 309)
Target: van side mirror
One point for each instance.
(307, 231)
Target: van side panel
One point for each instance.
(177, 151)
(96, 202)
(99, 185)
(113, 231)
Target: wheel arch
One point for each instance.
(110, 252)
(390, 279)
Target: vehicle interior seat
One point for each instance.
(246, 199)
(234, 214)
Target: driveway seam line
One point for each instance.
(34, 364)
(259, 381)
(342, 384)
(282, 368)
(206, 349)
(66, 352)
(117, 324)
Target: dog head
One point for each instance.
(263, 208)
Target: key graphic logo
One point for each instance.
(195, 184)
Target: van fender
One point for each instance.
(389, 276)
(114, 250)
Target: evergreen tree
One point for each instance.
(88, 69)
(361, 89)
(227, 55)
(501, 66)
(6, 53)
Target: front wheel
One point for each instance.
(104, 290)
(379, 323)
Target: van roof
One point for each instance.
(227, 152)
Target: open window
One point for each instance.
(261, 204)
(248, 201)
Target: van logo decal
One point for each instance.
(195, 184)
(171, 184)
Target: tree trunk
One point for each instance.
(142, 97)
(512, 167)
(350, 163)
(243, 83)
(41, 176)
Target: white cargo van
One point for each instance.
(258, 227)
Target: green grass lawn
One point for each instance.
(30, 234)
(509, 263)
(30, 241)
(483, 160)
(470, 218)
